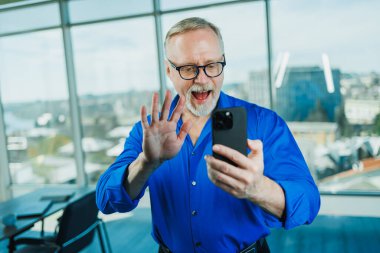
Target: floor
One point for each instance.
(328, 234)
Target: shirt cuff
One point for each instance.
(118, 196)
(297, 209)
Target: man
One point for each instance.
(199, 203)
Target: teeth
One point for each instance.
(199, 89)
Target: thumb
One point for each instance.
(256, 147)
(185, 129)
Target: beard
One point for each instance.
(205, 108)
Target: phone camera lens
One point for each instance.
(219, 125)
(223, 120)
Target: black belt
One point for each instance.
(256, 247)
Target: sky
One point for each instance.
(121, 55)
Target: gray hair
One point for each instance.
(192, 24)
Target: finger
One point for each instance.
(227, 169)
(229, 181)
(144, 119)
(212, 174)
(178, 110)
(233, 155)
(256, 147)
(166, 106)
(229, 184)
(185, 129)
(155, 107)
(230, 190)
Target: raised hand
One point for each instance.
(160, 140)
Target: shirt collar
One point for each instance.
(223, 101)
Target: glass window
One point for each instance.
(244, 43)
(19, 3)
(172, 4)
(88, 10)
(116, 67)
(36, 110)
(327, 75)
(41, 16)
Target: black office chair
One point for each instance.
(75, 231)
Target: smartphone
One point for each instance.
(229, 128)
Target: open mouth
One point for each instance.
(201, 95)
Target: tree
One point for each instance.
(344, 127)
(376, 125)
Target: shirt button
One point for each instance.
(198, 244)
(192, 153)
(194, 183)
(194, 213)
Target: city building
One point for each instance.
(361, 111)
(256, 89)
(304, 95)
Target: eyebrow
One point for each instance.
(206, 62)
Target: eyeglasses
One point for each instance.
(191, 71)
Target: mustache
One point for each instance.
(201, 88)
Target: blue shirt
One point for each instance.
(190, 213)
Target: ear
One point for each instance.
(169, 73)
(167, 68)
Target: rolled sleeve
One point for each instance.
(285, 165)
(302, 199)
(111, 195)
(302, 203)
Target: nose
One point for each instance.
(202, 77)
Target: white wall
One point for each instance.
(350, 205)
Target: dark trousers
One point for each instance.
(261, 246)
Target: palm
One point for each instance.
(160, 140)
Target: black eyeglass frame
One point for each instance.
(198, 67)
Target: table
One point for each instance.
(18, 204)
